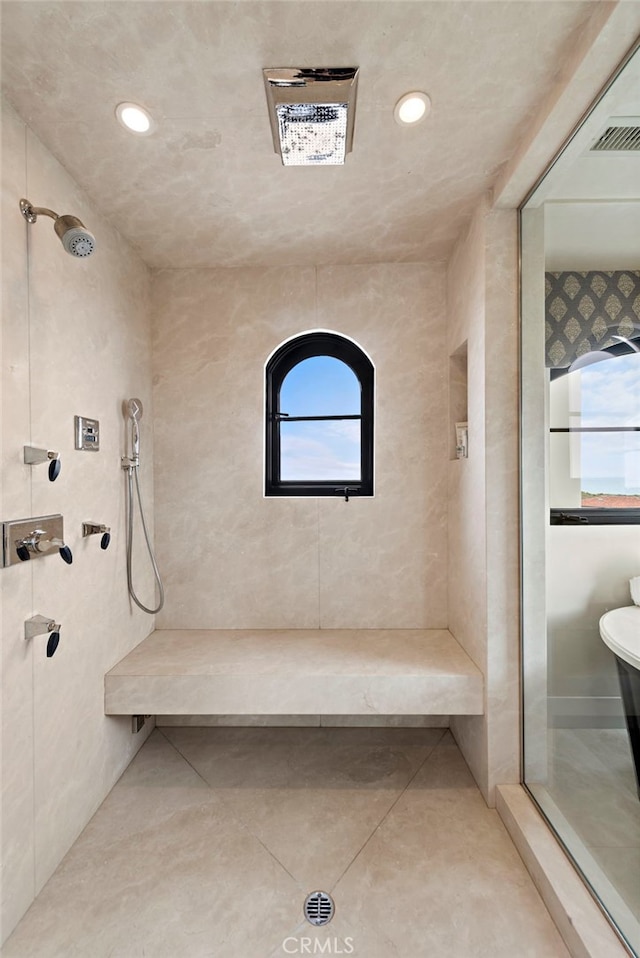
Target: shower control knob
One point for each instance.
(65, 553)
(38, 545)
(23, 553)
(53, 643)
(34, 456)
(99, 529)
(43, 625)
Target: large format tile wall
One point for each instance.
(76, 340)
(483, 537)
(233, 559)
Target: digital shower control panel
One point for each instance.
(87, 433)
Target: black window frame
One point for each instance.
(280, 364)
(596, 516)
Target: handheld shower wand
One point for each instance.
(132, 409)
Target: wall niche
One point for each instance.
(458, 432)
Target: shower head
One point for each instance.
(77, 240)
(312, 113)
(133, 409)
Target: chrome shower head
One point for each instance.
(133, 409)
(77, 240)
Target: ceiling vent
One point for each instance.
(312, 113)
(621, 135)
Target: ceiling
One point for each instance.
(580, 174)
(592, 199)
(207, 189)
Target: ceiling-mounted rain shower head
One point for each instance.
(312, 113)
(77, 240)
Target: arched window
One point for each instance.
(319, 418)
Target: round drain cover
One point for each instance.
(319, 908)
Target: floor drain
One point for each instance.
(319, 908)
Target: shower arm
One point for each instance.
(31, 213)
(72, 233)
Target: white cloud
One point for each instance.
(607, 394)
(303, 458)
(348, 429)
(610, 392)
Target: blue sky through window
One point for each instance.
(320, 386)
(610, 396)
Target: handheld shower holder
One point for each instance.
(132, 410)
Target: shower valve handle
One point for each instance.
(52, 644)
(64, 550)
(34, 456)
(35, 544)
(97, 528)
(66, 554)
(43, 625)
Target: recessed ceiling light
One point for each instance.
(411, 108)
(135, 118)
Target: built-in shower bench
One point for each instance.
(295, 672)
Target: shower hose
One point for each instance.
(131, 470)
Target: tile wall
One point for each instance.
(483, 532)
(233, 559)
(76, 340)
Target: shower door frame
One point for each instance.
(534, 498)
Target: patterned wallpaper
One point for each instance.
(584, 310)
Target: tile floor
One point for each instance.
(213, 837)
